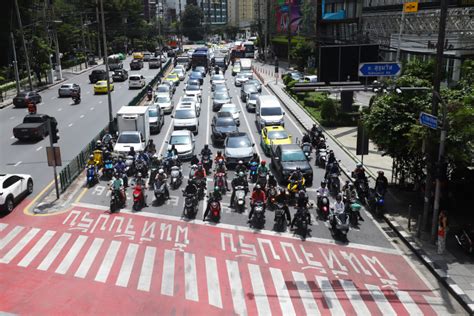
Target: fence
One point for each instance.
(74, 168)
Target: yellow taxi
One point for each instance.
(172, 77)
(101, 87)
(137, 55)
(273, 135)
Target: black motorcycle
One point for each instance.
(116, 201)
(301, 222)
(258, 218)
(280, 218)
(190, 206)
(465, 239)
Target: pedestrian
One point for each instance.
(442, 227)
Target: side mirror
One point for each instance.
(284, 113)
(172, 116)
(253, 145)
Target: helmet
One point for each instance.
(263, 162)
(120, 160)
(98, 143)
(359, 165)
(241, 162)
(216, 189)
(91, 157)
(323, 183)
(139, 174)
(348, 182)
(241, 174)
(219, 153)
(206, 146)
(161, 171)
(258, 187)
(301, 193)
(380, 172)
(255, 155)
(298, 169)
(339, 197)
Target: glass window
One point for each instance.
(180, 140)
(295, 155)
(270, 111)
(277, 134)
(238, 142)
(128, 138)
(185, 114)
(153, 113)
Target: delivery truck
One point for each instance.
(133, 128)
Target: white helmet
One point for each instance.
(161, 171)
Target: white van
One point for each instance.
(136, 82)
(268, 111)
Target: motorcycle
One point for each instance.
(334, 184)
(141, 166)
(353, 211)
(271, 194)
(307, 149)
(301, 222)
(130, 166)
(117, 200)
(239, 199)
(176, 177)
(138, 198)
(190, 206)
(258, 218)
(362, 190)
(340, 225)
(108, 170)
(193, 170)
(76, 99)
(293, 187)
(206, 162)
(280, 220)
(377, 203)
(262, 180)
(219, 181)
(91, 177)
(149, 95)
(214, 210)
(321, 158)
(253, 171)
(159, 189)
(323, 207)
(465, 239)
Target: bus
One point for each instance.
(200, 58)
(237, 53)
(115, 62)
(249, 49)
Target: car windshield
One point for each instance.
(180, 140)
(201, 69)
(192, 87)
(128, 138)
(65, 86)
(153, 113)
(134, 78)
(238, 142)
(184, 114)
(195, 74)
(218, 77)
(171, 77)
(277, 135)
(102, 83)
(231, 109)
(254, 82)
(249, 88)
(22, 94)
(220, 87)
(253, 96)
(163, 89)
(271, 111)
(163, 100)
(221, 96)
(236, 65)
(188, 99)
(293, 155)
(296, 76)
(241, 76)
(225, 121)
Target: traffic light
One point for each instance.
(54, 130)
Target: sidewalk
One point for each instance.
(457, 275)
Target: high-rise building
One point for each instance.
(215, 11)
(149, 9)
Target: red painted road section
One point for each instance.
(89, 262)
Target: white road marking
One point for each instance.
(306, 295)
(167, 280)
(127, 266)
(60, 109)
(17, 164)
(213, 284)
(88, 92)
(53, 98)
(100, 102)
(354, 297)
(330, 296)
(92, 108)
(144, 282)
(208, 118)
(9, 237)
(261, 298)
(89, 258)
(36, 249)
(190, 277)
(248, 126)
(39, 148)
(170, 128)
(380, 299)
(9, 256)
(13, 137)
(238, 297)
(71, 255)
(11, 118)
(54, 252)
(108, 261)
(70, 124)
(282, 292)
(82, 116)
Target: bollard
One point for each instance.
(409, 218)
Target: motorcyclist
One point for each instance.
(194, 160)
(381, 183)
(331, 157)
(315, 131)
(302, 200)
(258, 196)
(306, 139)
(255, 158)
(107, 155)
(191, 188)
(280, 198)
(172, 152)
(240, 180)
(139, 179)
(116, 183)
(272, 182)
(338, 207)
(348, 191)
(297, 177)
(90, 161)
(322, 190)
(301, 208)
(240, 167)
(31, 107)
(200, 172)
(150, 148)
(132, 152)
(206, 151)
(149, 92)
(76, 95)
(262, 172)
(99, 145)
(215, 196)
(359, 173)
(120, 165)
(162, 178)
(221, 168)
(332, 168)
(219, 156)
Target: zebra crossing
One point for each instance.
(231, 285)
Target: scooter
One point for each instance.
(76, 100)
(340, 225)
(214, 210)
(280, 220)
(262, 180)
(91, 178)
(321, 158)
(323, 207)
(219, 181)
(253, 171)
(307, 149)
(465, 239)
(141, 166)
(117, 200)
(190, 206)
(176, 177)
(206, 162)
(239, 199)
(149, 95)
(130, 166)
(293, 187)
(301, 222)
(258, 218)
(108, 170)
(377, 204)
(334, 184)
(138, 198)
(159, 191)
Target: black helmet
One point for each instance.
(323, 183)
(206, 146)
(301, 193)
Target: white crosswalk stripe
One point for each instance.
(190, 277)
(259, 292)
(9, 237)
(31, 255)
(167, 280)
(48, 260)
(19, 246)
(127, 265)
(71, 255)
(306, 295)
(408, 303)
(354, 297)
(213, 284)
(108, 261)
(89, 258)
(282, 292)
(330, 296)
(237, 291)
(380, 300)
(144, 282)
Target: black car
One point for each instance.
(120, 75)
(22, 98)
(222, 125)
(97, 75)
(285, 160)
(247, 89)
(197, 75)
(136, 64)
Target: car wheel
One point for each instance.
(29, 187)
(9, 205)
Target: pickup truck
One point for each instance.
(34, 126)
(96, 75)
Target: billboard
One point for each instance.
(283, 15)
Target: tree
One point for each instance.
(301, 53)
(329, 110)
(191, 22)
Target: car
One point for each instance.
(180, 66)
(272, 136)
(173, 78)
(136, 82)
(184, 143)
(180, 73)
(136, 64)
(66, 89)
(154, 63)
(137, 55)
(252, 102)
(268, 112)
(236, 68)
(193, 104)
(163, 88)
(233, 110)
(217, 79)
(246, 90)
(164, 102)
(220, 98)
(197, 75)
(256, 83)
(146, 56)
(192, 98)
(34, 126)
(101, 86)
(156, 118)
(193, 90)
(22, 98)
(193, 81)
(294, 75)
(171, 85)
(248, 74)
(286, 158)
(201, 69)
(238, 146)
(220, 87)
(120, 75)
(310, 78)
(186, 117)
(13, 188)
(221, 127)
(97, 74)
(240, 79)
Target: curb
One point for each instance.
(439, 274)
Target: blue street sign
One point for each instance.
(379, 69)
(429, 120)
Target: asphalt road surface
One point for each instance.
(77, 125)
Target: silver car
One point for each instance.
(66, 89)
(238, 146)
(164, 101)
(220, 98)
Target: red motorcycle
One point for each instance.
(219, 181)
(323, 208)
(138, 198)
(214, 210)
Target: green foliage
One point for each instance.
(300, 53)
(315, 99)
(231, 31)
(329, 110)
(191, 20)
(467, 72)
(420, 69)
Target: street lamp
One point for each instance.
(106, 60)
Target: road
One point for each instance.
(77, 125)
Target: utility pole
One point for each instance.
(27, 60)
(402, 23)
(15, 64)
(267, 37)
(84, 49)
(99, 50)
(50, 73)
(259, 17)
(109, 96)
(56, 44)
(289, 33)
(434, 111)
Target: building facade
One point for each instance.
(215, 11)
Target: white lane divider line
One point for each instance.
(11, 118)
(88, 92)
(100, 102)
(13, 137)
(70, 124)
(248, 126)
(60, 109)
(208, 118)
(17, 164)
(53, 98)
(82, 116)
(92, 108)
(39, 148)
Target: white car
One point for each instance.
(232, 109)
(192, 98)
(183, 142)
(192, 104)
(217, 79)
(193, 90)
(164, 101)
(13, 188)
(163, 88)
(240, 79)
(186, 117)
(180, 73)
(180, 67)
(136, 82)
